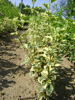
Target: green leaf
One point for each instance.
(43, 87)
(33, 0)
(72, 59)
(56, 65)
(26, 61)
(49, 89)
(15, 19)
(45, 84)
(74, 22)
(25, 45)
(53, 77)
(41, 79)
(53, 1)
(48, 37)
(74, 8)
(32, 68)
(45, 5)
(40, 89)
(31, 74)
(42, 96)
(14, 33)
(44, 73)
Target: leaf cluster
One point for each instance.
(6, 26)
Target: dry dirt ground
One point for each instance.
(15, 82)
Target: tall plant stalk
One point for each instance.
(49, 3)
(33, 2)
(21, 6)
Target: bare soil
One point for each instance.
(15, 82)
(65, 82)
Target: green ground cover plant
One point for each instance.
(8, 14)
(11, 25)
(8, 9)
(6, 26)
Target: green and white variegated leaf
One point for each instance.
(50, 68)
(41, 79)
(44, 73)
(74, 22)
(32, 68)
(25, 46)
(22, 21)
(49, 89)
(31, 74)
(45, 84)
(43, 87)
(48, 37)
(53, 77)
(25, 62)
(14, 33)
(63, 29)
(56, 65)
(43, 49)
(15, 19)
(22, 16)
(40, 89)
(47, 58)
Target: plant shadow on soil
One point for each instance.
(65, 83)
(8, 61)
(4, 83)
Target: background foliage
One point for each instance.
(8, 9)
(67, 8)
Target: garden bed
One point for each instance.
(15, 82)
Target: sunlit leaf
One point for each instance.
(45, 5)
(41, 79)
(53, 1)
(26, 61)
(42, 96)
(14, 33)
(56, 65)
(40, 89)
(33, 0)
(44, 73)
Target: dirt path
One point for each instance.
(15, 83)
